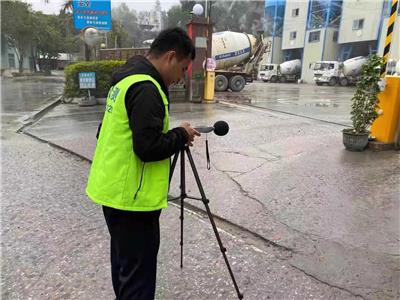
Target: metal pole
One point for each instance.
(389, 34)
(183, 196)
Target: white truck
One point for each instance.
(335, 72)
(288, 71)
(237, 56)
(393, 68)
(398, 68)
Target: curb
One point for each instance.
(55, 146)
(55, 79)
(42, 111)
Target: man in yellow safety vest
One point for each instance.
(129, 176)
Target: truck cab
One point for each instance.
(267, 72)
(327, 72)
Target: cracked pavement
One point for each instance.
(304, 219)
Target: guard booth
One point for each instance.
(195, 79)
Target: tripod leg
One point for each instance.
(183, 196)
(205, 201)
(171, 172)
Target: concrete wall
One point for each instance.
(5, 63)
(277, 53)
(395, 45)
(312, 53)
(331, 50)
(297, 24)
(368, 10)
(324, 49)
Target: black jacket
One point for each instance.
(146, 112)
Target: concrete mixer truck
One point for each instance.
(343, 73)
(237, 56)
(288, 71)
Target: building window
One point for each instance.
(295, 12)
(335, 36)
(11, 60)
(293, 35)
(358, 24)
(314, 36)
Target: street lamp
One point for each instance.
(209, 62)
(198, 9)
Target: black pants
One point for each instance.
(135, 239)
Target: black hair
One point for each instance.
(175, 39)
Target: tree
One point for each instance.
(48, 39)
(18, 26)
(67, 6)
(128, 31)
(70, 35)
(179, 15)
(118, 36)
(241, 16)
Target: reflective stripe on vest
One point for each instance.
(118, 177)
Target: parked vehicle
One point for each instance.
(237, 56)
(335, 72)
(288, 71)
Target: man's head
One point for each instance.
(171, 53)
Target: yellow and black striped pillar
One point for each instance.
(388, 40)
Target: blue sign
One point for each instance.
(232, 54)
(92, 13)
(87, 80)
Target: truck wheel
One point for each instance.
(282, 79)
(274, 79)
(319, 83)
(237, 83)
(221, 83)
(332, 81)
(344, 81)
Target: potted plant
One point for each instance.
(364, 107)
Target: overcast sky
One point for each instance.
(53, 6)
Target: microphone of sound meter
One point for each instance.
(220, 128)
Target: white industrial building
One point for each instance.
(317, 30)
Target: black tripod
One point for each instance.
(205, 201)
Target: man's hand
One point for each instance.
(190, 131)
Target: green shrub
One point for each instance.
(103, 69)
(365, 101)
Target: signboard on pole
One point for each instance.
(87, 80)
(92, 13)
(211, 64)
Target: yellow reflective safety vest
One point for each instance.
(118, 177)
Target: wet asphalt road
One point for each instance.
(332, 214)
(20, 98)
(55, 242)
(26, 96)
(330, 104)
